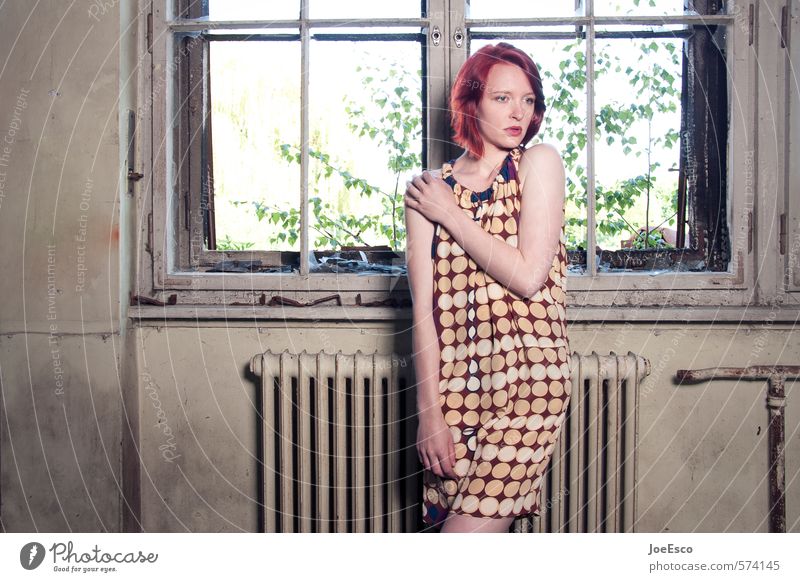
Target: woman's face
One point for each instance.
(506, 108)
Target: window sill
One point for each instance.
(604, 281)
(152, 315)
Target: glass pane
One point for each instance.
(561, 66)
(253, 10)
(363, 30)
(542, 31)
(254, 109)
(638, 124)
(365, 9)
(633, 30)
(365, 112)
(252, 33)
(517, 9)
(638, 7)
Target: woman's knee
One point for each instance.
(459, 523)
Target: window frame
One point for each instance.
(163, 242)
(159, 270)
(789, 137)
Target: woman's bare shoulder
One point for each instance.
(545, 152)
(540, 157)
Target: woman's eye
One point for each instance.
(531, 101)
(501, 97)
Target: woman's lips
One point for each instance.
(513, 130)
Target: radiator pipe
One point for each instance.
(776, 403)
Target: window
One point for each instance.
(290, 130)
(649, 191)
(283, 134)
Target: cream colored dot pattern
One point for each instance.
(505, 376)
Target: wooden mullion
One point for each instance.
(209, 214)
(591, 217)
(304, 137)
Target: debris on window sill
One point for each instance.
(279, 300)
(137, 300)
(364, 260)
(650, 261)
(361, 260)
(236, 266)
(388, 302)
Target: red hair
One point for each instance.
(470, 84)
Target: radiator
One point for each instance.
(338, 445)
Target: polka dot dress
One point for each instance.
(504, 378)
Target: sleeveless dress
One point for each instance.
(504, 368)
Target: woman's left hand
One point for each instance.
(430, 196)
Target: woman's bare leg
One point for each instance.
(457, 523)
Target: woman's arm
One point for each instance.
(425, 343)
(434, 439)
(523, 270)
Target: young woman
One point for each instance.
(487, 271)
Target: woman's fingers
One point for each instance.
(436, 449)
(411, 203)
(412, 192)
(443, 460)
(433, 464)
(420, 182)
(446, 464)
(440, 464)
(427, 461)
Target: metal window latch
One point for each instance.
(436, 35)
(133, 176)
(458, 37)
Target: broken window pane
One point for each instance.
(661, 134)
(637, 132)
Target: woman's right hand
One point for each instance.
(435, 444)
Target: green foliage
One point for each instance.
(654, 239)
(226, 244)
(651, 91)
(391, 118)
